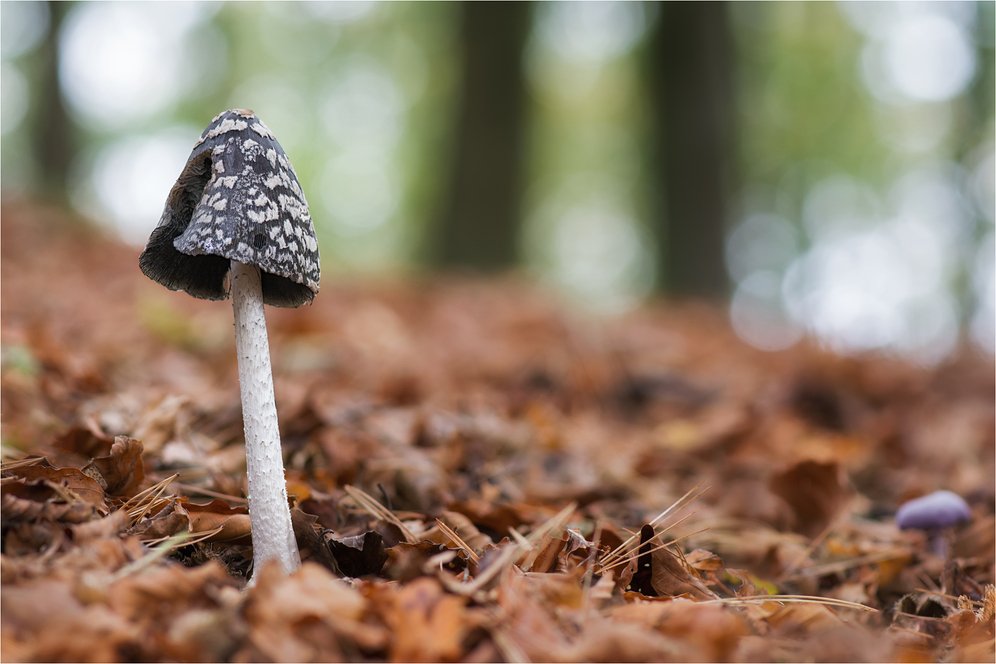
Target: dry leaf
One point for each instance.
(69, 483)
(233, 521)
(670, 578)
(815, 491)
(122, 472)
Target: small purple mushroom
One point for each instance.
(933, 513)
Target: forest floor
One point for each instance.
(477, 473)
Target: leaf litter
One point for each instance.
(476, 474)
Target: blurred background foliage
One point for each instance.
(824, 168)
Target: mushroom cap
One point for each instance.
(934, 511)
(237, 199)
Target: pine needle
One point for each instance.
(798, 599)
(556, 521)
(842, 565)
(522, 541)
(160, 551)
(456, 539)
(378, 511)
(21, 463)
(623, 548)
(146, 500)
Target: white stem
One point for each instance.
(269, 514)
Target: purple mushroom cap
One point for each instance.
(935, 511)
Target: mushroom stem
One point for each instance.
(269, 513)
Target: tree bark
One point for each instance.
(692, 59)
(481, 219)
(53, 129)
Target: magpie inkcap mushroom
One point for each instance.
(237, 199)
(237, 221)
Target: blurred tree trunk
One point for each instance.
(692, 60)
(53, 128)
(481, 218)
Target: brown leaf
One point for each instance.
(559, 590)
(122, 472)
(406, 561)
(670, 578)
(165, 523)
(19, 510)
(704, 561)
(803, 618)
(307, 616)
(531, 626)
(158, 595)
(109, 526)
(466, 530)
(546, 559)
(576, 542)
(359, 555)
(233, 521)
(498, 518)
(427, 625)
(83, 441)
(69, 483)
(44, 622)
(310, 542)
(705, 633)
(815, 491)
(617, 641)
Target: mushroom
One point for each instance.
(238, 208)
(932, 514)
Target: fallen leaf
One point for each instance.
(426, 624)
(359, 555)
(307, 616)
(122, 472)
(815, 491)
(69, 483)
(670, 578)
(233, 521)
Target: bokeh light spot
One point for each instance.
(123, 62)
(363, 107)
(22, 26)
(760, 242)
(591, 31)
(14, 98)
(758, 315)
(132, 177)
